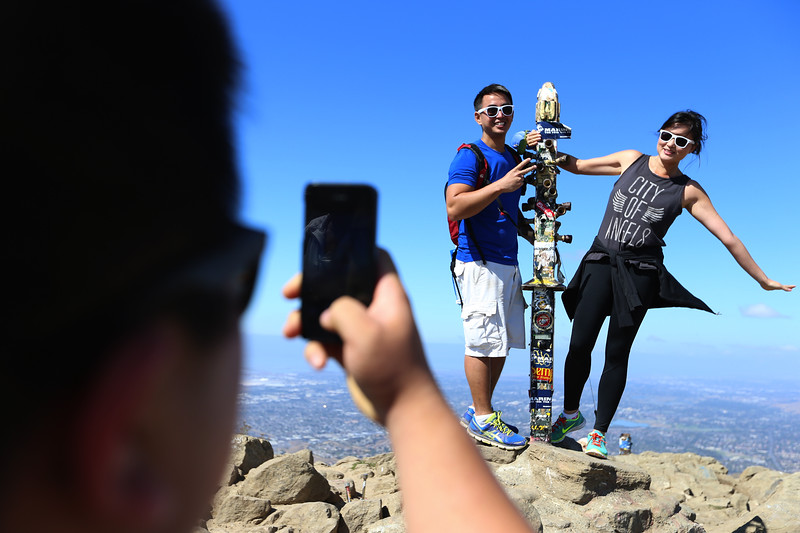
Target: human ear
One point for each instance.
(118, 479)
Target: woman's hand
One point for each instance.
(772, 285)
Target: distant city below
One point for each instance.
(738, 424)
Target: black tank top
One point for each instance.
(641, 208)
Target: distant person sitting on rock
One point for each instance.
(623, 273)
(625, 444)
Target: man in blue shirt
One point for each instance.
(486, 265)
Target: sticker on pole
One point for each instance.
(553, 130)
(543, 320)
(543, 402)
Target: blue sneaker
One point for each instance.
(564, 425)
(496, 433)
(596, 445)
(466, 418)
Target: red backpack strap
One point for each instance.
(483, 179)
(483, 166)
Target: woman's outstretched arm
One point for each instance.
(607, 165)
(697, 202)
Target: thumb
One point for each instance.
(348, 318)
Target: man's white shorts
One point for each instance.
(494, 310)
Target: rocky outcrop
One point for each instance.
(286, 480)
(557, 488)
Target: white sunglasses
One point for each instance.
(680, 141)
(492, 110)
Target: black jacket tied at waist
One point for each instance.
(626, 297)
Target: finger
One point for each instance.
(292, 327)
(524, 163)
(316, 355)
(292, 287)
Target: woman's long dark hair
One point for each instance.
(696, 123)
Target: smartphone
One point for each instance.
(339, 253)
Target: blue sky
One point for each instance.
(382, 94)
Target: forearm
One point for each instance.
(469, 203)
(607, 165)
(446, 484)
(739, 252)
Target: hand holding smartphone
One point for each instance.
(339, 253)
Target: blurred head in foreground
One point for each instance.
(128, 270)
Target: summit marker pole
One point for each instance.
(547, 276)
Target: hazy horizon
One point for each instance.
(276, 354)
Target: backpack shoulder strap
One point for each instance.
(514, 154)
(483, 178)
(483, 166)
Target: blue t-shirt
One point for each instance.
(496, 235)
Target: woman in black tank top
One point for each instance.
(623, 275)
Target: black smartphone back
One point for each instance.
(339, 254)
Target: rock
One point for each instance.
(577, 477)
(665, 506)
(688, 512)
(495, 455)
(622, 512)
(330, 473)
(249, 452)
(314, 517)
(718, 503)
(286, 479)
(237, 508)
(524, 498)
(381, 486)
(748, 524)
(779, 509)
(387, 525)
(557, 488)
(358, 514)
(740, 503)
(759, 483)
(231, 475)
(239, 527)
(381, 465)
(392, 504)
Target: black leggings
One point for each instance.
(595, 303)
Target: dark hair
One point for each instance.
(696, 123)
(119, 164)
(494, 88)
